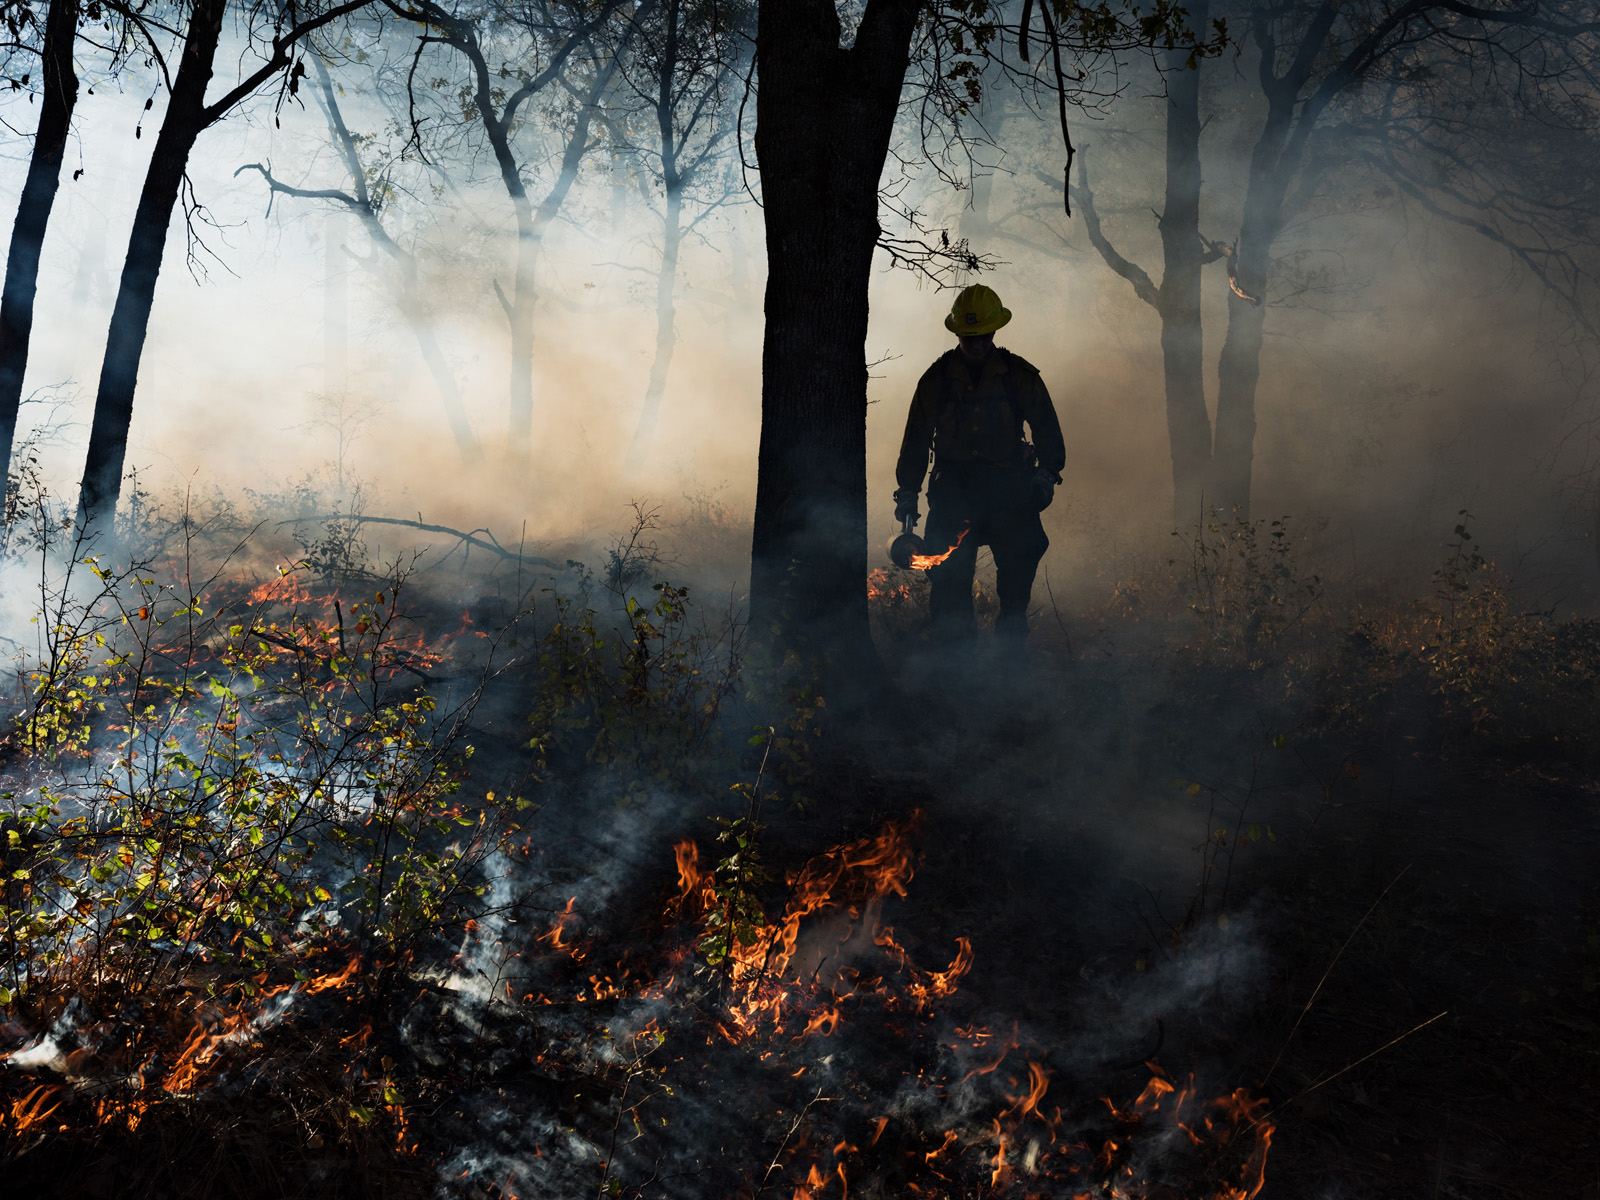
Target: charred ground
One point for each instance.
(1220, 823)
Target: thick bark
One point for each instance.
(58, 96)
(1178, 300)
(186, 116)
(826, 114)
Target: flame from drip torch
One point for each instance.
(921, 562)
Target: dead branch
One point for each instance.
(492, 545)
(1143, 286)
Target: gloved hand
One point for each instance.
(1042, 488)
(905, 506)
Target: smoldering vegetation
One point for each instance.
(392, 812)
(517, 879)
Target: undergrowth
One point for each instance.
(229, 798)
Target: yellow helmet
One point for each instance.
(977, 311)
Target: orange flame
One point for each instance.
(921, 562)
(850, 882)
(30, 1111)
(558, 928)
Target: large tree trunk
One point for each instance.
(113, 405)
(1273, 163)
(1239, 367)
(826, 114)
(59, 93)
(666, 326)
(1178, 300)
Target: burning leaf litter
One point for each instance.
(808, 1051)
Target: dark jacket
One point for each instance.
(971, 421)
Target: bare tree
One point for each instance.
(548, 45)
(1176, 298)
(1346, 89)
(681, 68)
(367, 201)
(275, 34)
(58, 92)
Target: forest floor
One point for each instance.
(1419, 997)
(1321, 888)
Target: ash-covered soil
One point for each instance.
(1415, 931)
(1389, 937)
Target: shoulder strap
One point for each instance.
(952, 390)
(1008, 381)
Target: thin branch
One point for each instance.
(470, 538)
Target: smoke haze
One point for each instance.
(1413, 374)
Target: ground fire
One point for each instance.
(814, 1029)
(786, 996)
(775, 600)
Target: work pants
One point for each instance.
(992, 504)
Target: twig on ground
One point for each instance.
(468, 537)
(1059, 622)
(1318, 989)
(800, 1117)
(1347, 1067)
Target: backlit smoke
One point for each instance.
(1407, 382)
